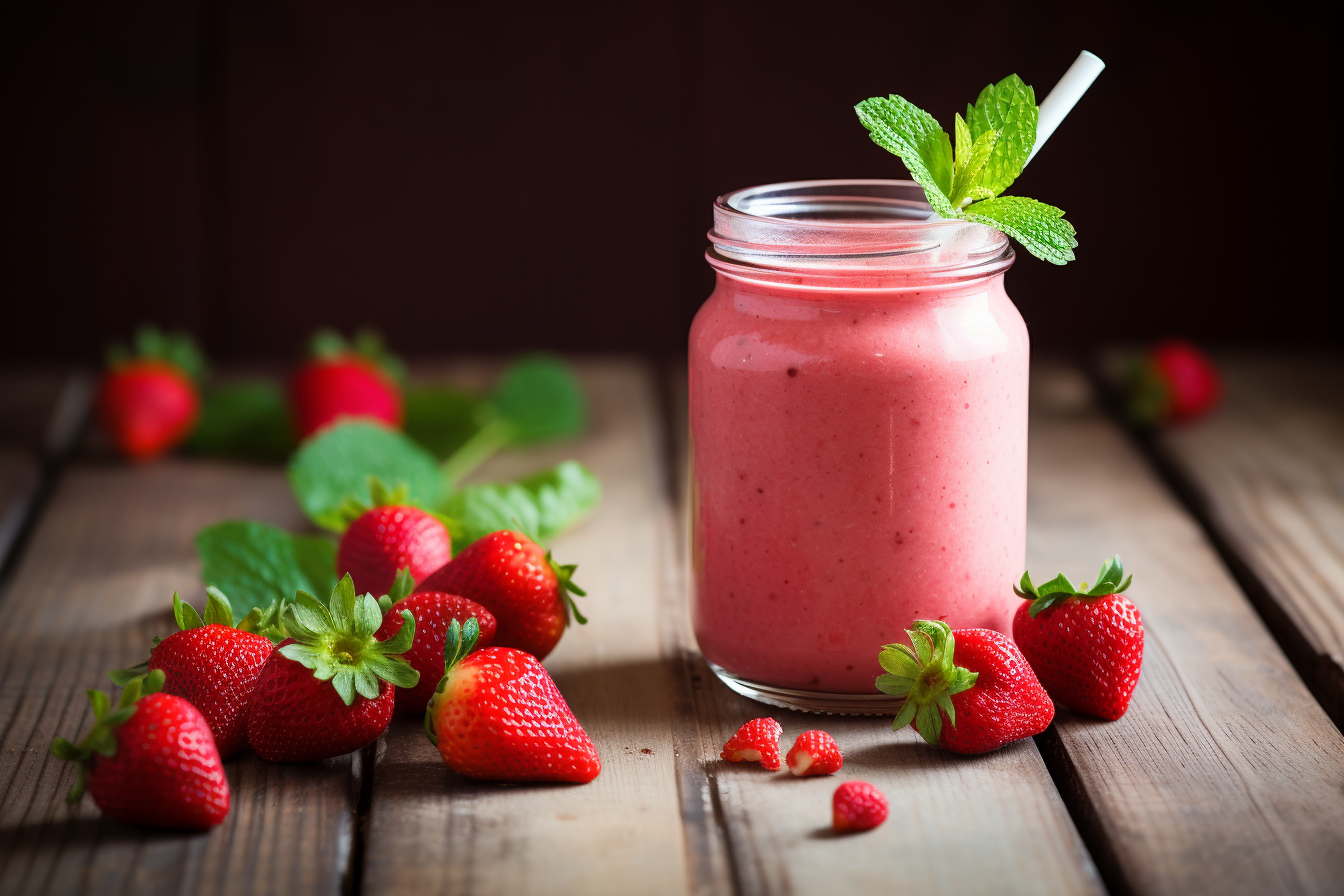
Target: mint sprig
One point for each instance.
(993, 144)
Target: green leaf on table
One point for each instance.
(1040, 228)
(541, 400)
(339, 463)
(903, 129)
(245, 421)
(540, 506)
(1008, 107)
(258, 565)
(442, 418)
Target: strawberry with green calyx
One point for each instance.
(122, 761)
(529, 594)
(329, 688)
(434, 612)
(211, 664)
(975, 677)
(497, 716)
(1085, 644)
(390, 535)
(344, 380)
(149, 400)
(1172, 383)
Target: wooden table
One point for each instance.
(1226, 776)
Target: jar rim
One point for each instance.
(846, 227)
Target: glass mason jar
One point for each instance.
(858, 418)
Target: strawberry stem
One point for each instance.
(926, 676)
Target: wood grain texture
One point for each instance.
(1225, 776)
(432, 831)
(779, 827)
(94, 585)
(1266, 474)
(20, 479)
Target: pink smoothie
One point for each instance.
(859, 462)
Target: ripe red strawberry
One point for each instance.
(512, 577)
(857, 806)
(389, 537)
(1173, 382)
(328, 688)
(211, 665)
(756, 741)
(814, 753)
(148, 402)
(346, 381)
(497, 715)
(152, 761)
(975, 676)
(434, 611)
(1086, 646)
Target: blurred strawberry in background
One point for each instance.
(347, 380)
(1173, 382)
(149, 401)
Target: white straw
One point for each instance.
(1064, 97)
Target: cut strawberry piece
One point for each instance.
(857, 806)
(814, 753)
(756, 741)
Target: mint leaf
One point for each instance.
(337, 465)
(967, 183)
(1040, 228)
(541, 506)
(442, 418)
(904, 129)
(540, 399)
(257, 565)
(1008, 107)
(245, 421)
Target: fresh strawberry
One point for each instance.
(498, 716)
(391, 536)
(1173, 382)
(328, 688)
(975, 676)
(149, 402)
(1085, 645)
(434, 611)
(814, 753)
(150, 761)
(857, 806)
(528, 593)
(756, 741)
(212, 665)
(343, 381)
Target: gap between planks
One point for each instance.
(1225, 776)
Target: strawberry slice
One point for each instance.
(755, 741)
(814, 753)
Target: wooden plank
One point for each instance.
(91, 590)
(1266, 475)
(431, 831)
(1225, 776)
(778, 827)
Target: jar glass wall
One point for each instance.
(858, 402)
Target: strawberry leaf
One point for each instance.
(540, 506)
(244, 421)
(261, 565)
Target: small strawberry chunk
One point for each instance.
(814, 753)
(857, 806)
(756, 741)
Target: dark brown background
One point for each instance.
(503, 175)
